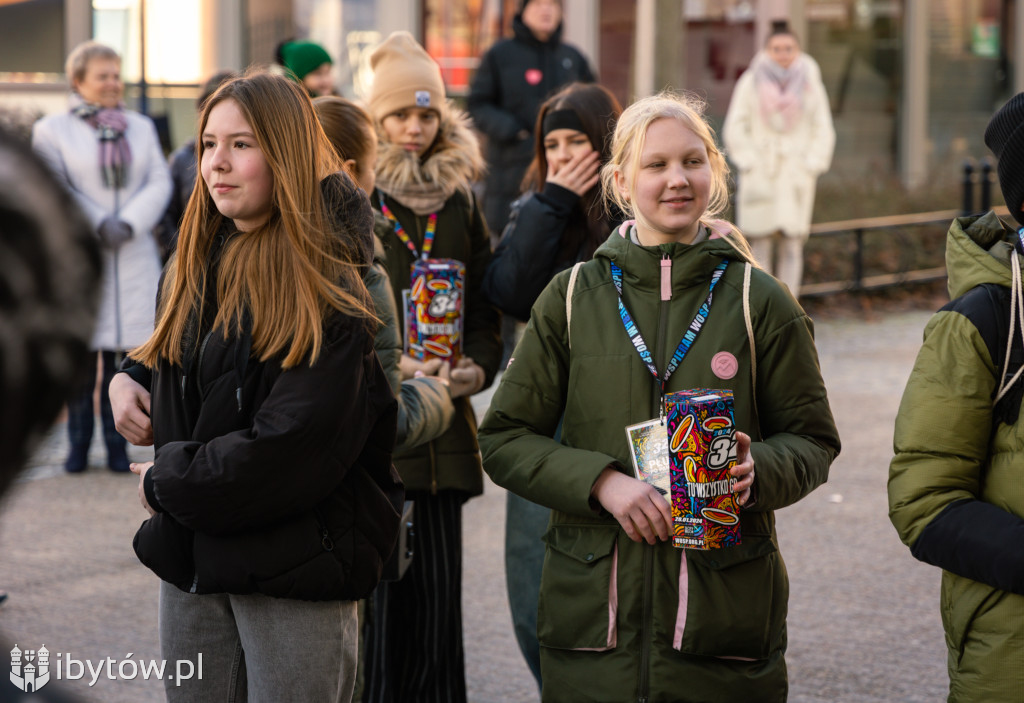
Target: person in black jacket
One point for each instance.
(559, 221)
(272, 495)
(515, 76)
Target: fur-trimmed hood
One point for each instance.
(453, 163)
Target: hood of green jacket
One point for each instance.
(639, 273)
(978, 251)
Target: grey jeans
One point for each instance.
(258, 648)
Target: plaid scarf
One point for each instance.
(115, 154)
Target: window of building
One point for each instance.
(32, 37)
(858, 45)
(170, 41)
(457, 32)
(969, 76)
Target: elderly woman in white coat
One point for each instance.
(111, 161)
(778, 134)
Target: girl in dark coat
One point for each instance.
(559, 221)
(427, 161)
(272, 493)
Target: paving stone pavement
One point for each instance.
(863, 625)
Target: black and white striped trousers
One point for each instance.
(414, 651)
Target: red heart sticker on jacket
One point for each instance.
(533, 76)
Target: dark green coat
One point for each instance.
(452, 461)
(729, 605)
(956, 483)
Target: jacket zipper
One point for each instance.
(325, 536)
(218, 242)
(659, 341)
(645, 625)
(648, 568)
(199, 362)
(118, 344)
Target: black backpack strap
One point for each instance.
(987, 306)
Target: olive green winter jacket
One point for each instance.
(956, 483)
(620, 620)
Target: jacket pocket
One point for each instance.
(578, 593)
(732, 601)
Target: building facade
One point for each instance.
(912, 82)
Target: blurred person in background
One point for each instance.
(183, 172)
(425, 409)
(559, 221)
(110, 159)
(425, 402)
(50, 281)
(779, 135)
(515, 76)
(308, 63)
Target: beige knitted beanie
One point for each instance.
(404, 75)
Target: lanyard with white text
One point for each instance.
(688, 338)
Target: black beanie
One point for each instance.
(1005, 137)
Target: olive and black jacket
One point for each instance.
(515, 76)
(269, 480)
(956, 482)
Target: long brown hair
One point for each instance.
(286, 274)
(349, 128)
(598, 110)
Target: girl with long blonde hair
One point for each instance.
(272, 497)
(670, 302)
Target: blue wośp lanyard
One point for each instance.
(688, 337)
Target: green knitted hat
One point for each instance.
(303, 57)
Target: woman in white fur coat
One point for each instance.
(111, 161)
(778, 133)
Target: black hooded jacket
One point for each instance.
(267, 480)
(515, 76)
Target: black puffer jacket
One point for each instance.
(547, 232)
(266, 480)
(515, 76)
